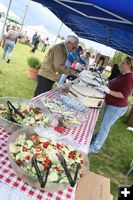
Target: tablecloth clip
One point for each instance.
(72, 181)
(15, 109)
(38, 172)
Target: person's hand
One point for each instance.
(106, 89)
(73, 72)
(103, 88)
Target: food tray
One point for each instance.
(11, 126)
(81, 117)
(33, 181)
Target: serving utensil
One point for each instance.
(38, 172)
(9, 104)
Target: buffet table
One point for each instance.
(9, 181)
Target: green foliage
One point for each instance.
(91, 50)
(118, 58)
(115, 157)
(13, 77)
(82, 44)
(61, 37)
(34, 62)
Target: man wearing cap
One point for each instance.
(53, 65)
(9, 42)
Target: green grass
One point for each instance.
(13, 79)
(113, 160)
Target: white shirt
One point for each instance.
(91, 61)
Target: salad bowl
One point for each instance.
(31, 114)
(24, 146)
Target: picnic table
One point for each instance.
(12, 187)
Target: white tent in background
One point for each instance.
(3, 9)
(41, 30)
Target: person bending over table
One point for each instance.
(54, 65)
(116, 103)
(71, 58)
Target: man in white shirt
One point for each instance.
(92, 61)
(45, 44)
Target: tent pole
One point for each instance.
(10, 2)
(25, 13)
(98, 7)
(93, 17)
(58, 33)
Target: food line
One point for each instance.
(81, 135)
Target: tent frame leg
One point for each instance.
(9, 6)
(25, 13)
(58, 33)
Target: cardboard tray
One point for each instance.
(91, 102)
(93, 187)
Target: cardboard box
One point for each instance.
(93, 187)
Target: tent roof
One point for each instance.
(105, 22)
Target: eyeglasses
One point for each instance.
(129, 60)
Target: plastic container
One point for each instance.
(80, 117)
(33, 181)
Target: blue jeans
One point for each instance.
(110, 116)
(9, 45)
(44, 48)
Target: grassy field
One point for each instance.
(114, 159)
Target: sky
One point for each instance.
(39, 15)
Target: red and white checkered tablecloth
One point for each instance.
(81, 134)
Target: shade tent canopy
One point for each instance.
(105, 22)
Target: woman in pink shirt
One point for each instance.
(116, 103)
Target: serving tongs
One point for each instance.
(38, 172)
(72, 181)
(10, 117)
(11, 108)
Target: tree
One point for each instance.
(82, 44)
(118, 58)
(91, 50)
(61, 37)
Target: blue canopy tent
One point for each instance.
(105, 22)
